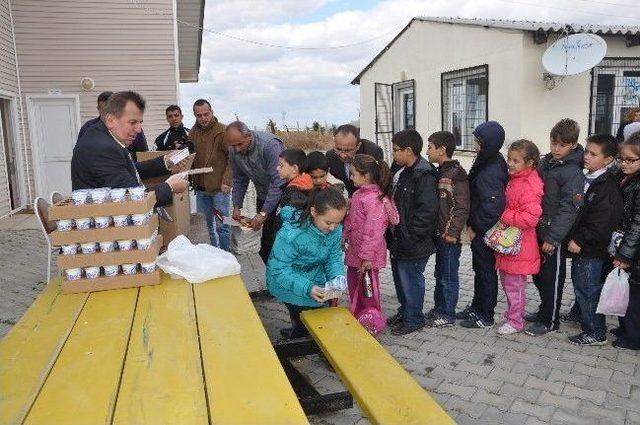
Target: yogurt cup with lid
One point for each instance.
(83, 223)
(130, 269)
(92, 272)
(102, 222)
(64, 225)
(73, 274)
(107, 246)
(120, 220)
(118, 195)
(70, 249)
(99, 195)
(88, 247)
(112, 270)
(125, 244)
(148, 267)
(139, 219)
(80, 196)
(136, 193)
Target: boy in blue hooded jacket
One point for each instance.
(487, 182)
(306, 254)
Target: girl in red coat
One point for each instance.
(523, 210)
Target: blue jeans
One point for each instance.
(408, 278)
(219, 234)
(445, 295)
(586, 274)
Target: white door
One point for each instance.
(54, 124)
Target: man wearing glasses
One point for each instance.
(347, 144)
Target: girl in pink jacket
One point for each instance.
(372, 210)
(522, 210)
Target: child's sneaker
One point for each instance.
(431, 314)
(507, 329)
(539, 329)
(570, 316)
(464, 314)
(623, 344)
(586, 339)
(438, 321)
(475, 322)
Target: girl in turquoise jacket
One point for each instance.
(306, 254)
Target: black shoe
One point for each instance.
(623, 344)
(464, 314)
(431, 314)
(586, 339)
(570, 316)
(538, 329)
(292, 333)
(439, 321)
(475, 322)
(617, 331)
(404, 329)
(531, 317)
(395, 320)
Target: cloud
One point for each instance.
(259, 82)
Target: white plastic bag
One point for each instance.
(197, 263)
(245, 240)
(614, 297)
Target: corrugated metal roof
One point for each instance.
(537, 25)
(533, 26)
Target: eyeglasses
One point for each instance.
(341, 150)
(628, 160)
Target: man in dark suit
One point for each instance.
(347, 144)
(101, 159)
(139, 144)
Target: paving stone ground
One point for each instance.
(476, 375)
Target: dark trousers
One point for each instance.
(631, 332)
(445, 295)
(268, 232)
(299, 330)
(485, 280)
(408, 278)
(586, 274)
(550, 283)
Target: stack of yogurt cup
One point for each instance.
(106, 194)
(109, 271)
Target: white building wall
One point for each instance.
(517, 97)
(121, 44)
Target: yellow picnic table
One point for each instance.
(173, 353)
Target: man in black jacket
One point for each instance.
(101, 159)
(589, 237)
(177, 136)
(411, 241)
(347, 144)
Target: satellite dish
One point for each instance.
(574, 54)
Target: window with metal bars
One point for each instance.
(464, 102)
(615, 91)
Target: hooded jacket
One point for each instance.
(211, 151)
(365, 226)
(487, 179)
(563, 195)
(598, 217)
(296, 191)
(416, 198)
(523, 210)
(174, 138)
(302, 256)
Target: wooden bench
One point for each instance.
(385, 392)
(171, 353)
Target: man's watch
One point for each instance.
(263, 214)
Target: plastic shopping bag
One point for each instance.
(506, 240)
(614, 297)
(197, 263)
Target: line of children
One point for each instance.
(561, 209)
(371, 211)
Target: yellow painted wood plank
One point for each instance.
(162, 380)
(29, 350)
(384, 390)
(246, 383)
(83, 384)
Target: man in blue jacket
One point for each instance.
(487, 182)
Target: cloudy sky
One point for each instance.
(323, 45)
